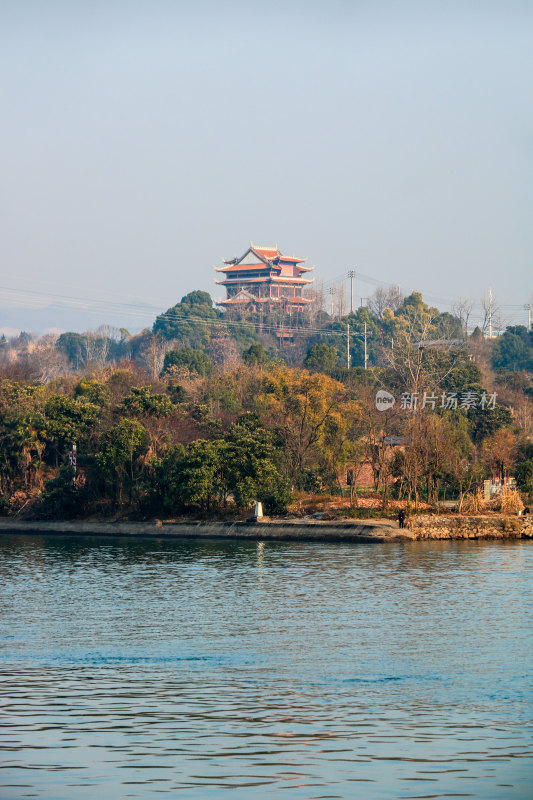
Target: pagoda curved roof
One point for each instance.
(267, 255)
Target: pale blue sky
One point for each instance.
(144, 141)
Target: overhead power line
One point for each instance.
(147, 312)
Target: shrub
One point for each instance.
(510, 502)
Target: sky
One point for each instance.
(144, 141)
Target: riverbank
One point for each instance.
(423, 527)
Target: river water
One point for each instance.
(196, 669)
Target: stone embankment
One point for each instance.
(426, 527)
(461, 527)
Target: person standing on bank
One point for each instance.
(401, 518)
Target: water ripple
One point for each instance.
(135, 669)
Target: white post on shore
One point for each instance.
(258, 510)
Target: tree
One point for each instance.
(251, 463)
(311, 415)
(189, 321)
(485, 422)
(195, 361)
(197, 476)
(224, 352)
(154, 353)
(61, 496)
(141, 402)
(418, 357)
(465, 375)
(360, 320)
(382, 299)
(499, 452)
(462, 310)
(97, 348)
(73, 346)
(491, 314)
(67, 421)
(48, 362)
(320, 358)
(120, 456)
(22, 444)
(524, 476)
(93, 391)
(256, 355)
(513, 350)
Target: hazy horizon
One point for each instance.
(144, 142)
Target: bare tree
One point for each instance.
(523, 413)
(418, 362)
(110, 332)
(462, 309)
(154, 353)
(341, 300)
(96, 348)
(103, 350)
(317, 296)
(491, 315)
(223, 352)
(46, 360)
(385, 298)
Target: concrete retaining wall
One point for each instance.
(420, 528)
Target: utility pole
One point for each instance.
(529, 309)
(366, 355)
(348, 346)
(490, 313)
(351, 275)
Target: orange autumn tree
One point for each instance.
(315, 418)
(499, 452)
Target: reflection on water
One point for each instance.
(139, 668)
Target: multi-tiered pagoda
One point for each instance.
(263, 279)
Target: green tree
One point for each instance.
(189, 321)
(485, 422)
(256, 355)
(121, 456)
(524, 476)
(140, 402)
(195, 361)
(464, 376)
(73, 346)
(252, 456)
(197, 476)
(61, 498)
(320, 358)
(93, 391)
(513, 350)
(357, 321)
(67, 421)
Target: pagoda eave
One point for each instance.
(267, 279)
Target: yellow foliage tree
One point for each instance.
(313, 415)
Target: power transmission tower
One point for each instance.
(351, 275)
